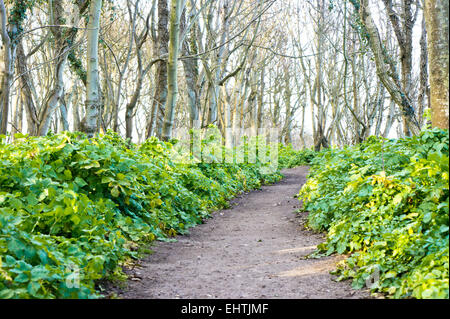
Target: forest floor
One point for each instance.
(254, 249)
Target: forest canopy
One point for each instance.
(323, 72)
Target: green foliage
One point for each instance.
(77, 66)
(67, 202)
(386, 204)
(288, 157)
(17, 16)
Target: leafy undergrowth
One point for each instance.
(288, 157)
(386, 204)
(73, 210)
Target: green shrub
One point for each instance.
(288, 157)
(71, 204)
(386, 203)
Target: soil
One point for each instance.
(254, 249)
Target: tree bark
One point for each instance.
(423, 81)
(214, 91)
(403, 31)
(63, 41)
(90, 122)
(122, 71)
(436, 15)
(7, 56)
(191, 71)
(140, 40)
(172, 91)
(160, 97)
(384, 72)
(26, 90)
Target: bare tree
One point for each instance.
(385, 70)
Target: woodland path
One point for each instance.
(253, 249)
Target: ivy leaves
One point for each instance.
(72, 208)
(392, 216)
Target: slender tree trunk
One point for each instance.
(130, 109)
(384, 71)
(172, 92)
(90, 122)
(125, 66)
(403, 31)
(214, 85)
(379, 111)
(7, 53)
(423, 87)
(302, 127)
(193, 94)
(390, 119)
(260, 112)
(191, 71)
(63, 110)
(160, 97)
(287, 129)
(356, 126)
(26, 90)
(18, 108)
(64, 38)
(76, 111)
(53, 101)
(129, 114)
(436, 15)
(406, 58)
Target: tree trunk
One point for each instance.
(172, 91)
(403, 31)
(63, 109)
(17, 116)
(131, 106)
(63, 40)
(436, 15)
(76, 111)
(383, 69)
(122, 71)
(26, 90)
(90, 121)
(423, 87)
(6, 68)
(260, 112)
(140, 41)
(191, 71)
(214, 91)
(160, 97)
(53, 101)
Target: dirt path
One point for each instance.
(252, 250)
